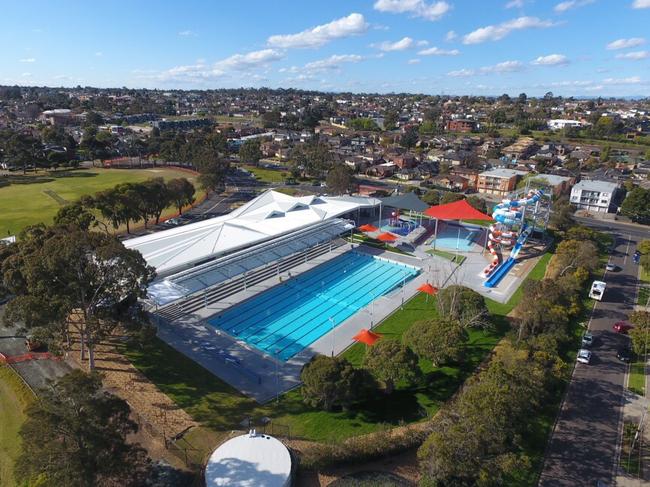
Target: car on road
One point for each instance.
(622, 327)
(584, 356)
(173, 222)
(624, 354)
(597, 290)
(611, 267)
(587, 340)
(636, 257)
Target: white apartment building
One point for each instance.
(593, 196)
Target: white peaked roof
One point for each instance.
(251, 460)
(269, 215)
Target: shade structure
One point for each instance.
(366, 336)
(368, 228)
(428, 289)
(407, 201)
(386, 237)
(458, 210)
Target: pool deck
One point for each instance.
(261, 376)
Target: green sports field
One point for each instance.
(35, 199)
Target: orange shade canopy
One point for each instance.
(368, 228)
(458, 210)
(428, 288)
(386, 237)
(366, 336)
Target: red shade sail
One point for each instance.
(386, 237)
(458, 210)
(366, 336)
(428, 288)
(368, 228)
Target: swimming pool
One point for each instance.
(454, 237)
(289, 317)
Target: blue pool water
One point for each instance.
(450, 238)
(289, 317)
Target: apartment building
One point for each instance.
(499, 181)
(596, 196)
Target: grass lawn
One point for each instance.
(14, 398)
(455, 258)
(267, 175)
(636, 382)
(643, 298)
(34, 199)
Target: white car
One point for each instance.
(584, 356)
(610, 267)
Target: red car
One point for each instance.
(622, 327)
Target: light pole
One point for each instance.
(277, 376)
(372, 310)
(333, 323)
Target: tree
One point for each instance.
(573, 254)
(212, 175)
(432, 197)
(339, 179)
(75, 214)
(562, 215)
(450, 197)
(65, 278)
(462, 304)
(410, 137)
(439, 340)
(477, 203)
(156, 197)
(330, 382)
(365, 124)
(76, 435)
(181, 193)
(391, 361)
(644, 247)
(637, 205)
(250, 152)
(640, 334)
(390, 120)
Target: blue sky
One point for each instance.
(571, 47)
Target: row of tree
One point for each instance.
(127, 203)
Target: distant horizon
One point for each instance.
(580, 48)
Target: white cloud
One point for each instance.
(571, 83)
(413, 61)
(515, 4)
(436, 51)
(497, 32)
(625, 43)
(504, 67)
(28, 60)
(333, 62)
(571, 4)
(187, 33)
(353, 24)
(417, 8)
(401, 45)
(641, 4)
(632, 80)
(594, 88)
(551, 60)
(461, 73)
(26, 75)
(201, 71)
(451, 35)
(634, 55)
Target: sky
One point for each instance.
(457, 47)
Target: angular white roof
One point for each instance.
(269, 215)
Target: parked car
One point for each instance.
(597, 290)
(587, 340)
(636, 257)
(584, 356)
(611, 267)
(622, 327)
(624, 354)
(173, 222)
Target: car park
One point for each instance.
(584, 356)
(624, 354)
(622, 327)
(587, 340)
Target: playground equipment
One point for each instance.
(508, 214)
(399, 225)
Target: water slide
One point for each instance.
(506, 214)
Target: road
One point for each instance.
(584, 446)
(35, 372)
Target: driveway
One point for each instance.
(584, 446)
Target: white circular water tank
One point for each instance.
(251, 460)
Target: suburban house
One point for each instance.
(451, 181)
(499, 181)
(596, 196)
(559, 184)
(461, 125)
(522, 149)
(470, 174)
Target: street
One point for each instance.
(585, 443)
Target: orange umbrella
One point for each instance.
(368, 228)
(366, 336)
(429, 289)
(386, 237)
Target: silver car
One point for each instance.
(584, 356)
